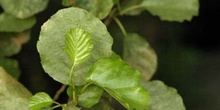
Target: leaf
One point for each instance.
(78, 45)
(9, 23)
(138, 54)
(11, 66)
(131, 7)
(39, 100)
(51, 44)
(70, 106)
(68, 2)
(163, 97)
(13, 95)
(100, 8)
(120, 81)
(90, 96)
(173, 10)
(11, 87)
(10, 43)
(23, 8)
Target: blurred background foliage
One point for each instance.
(188, 54)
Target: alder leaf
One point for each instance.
(11, 66)
(23, 8)
(163, 97)
(120, 81)
(139, 54)
(100, 8)
(13, 95)
(78, 45)
(39, 100)
(172, 10)
(90, 96)
(51, 44)
(9, 23)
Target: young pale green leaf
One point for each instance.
(39, 100)
(11, 43)
(51, 44)
(23, 8)
(100, 8)
(78, 45)
(9, 23)
(11, 66)
(163, 97)
(138, 54)
(90, 96)
(120, 81)
(172, 10)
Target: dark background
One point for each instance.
(188, 54)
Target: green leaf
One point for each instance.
(13, 95)
(163, 97)
(90, 96)
(68, 2)
(40, 100)
(70, 106)
(100, 8)
(11, 87)
(138, 54)
(120, 81)
(23, 8)
(78, 45)
(9, 23)
(11, 66)
(51, 44)
(131, 7)
(10, 43)
(173, 10)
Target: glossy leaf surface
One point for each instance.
(100, 8)
(9, 23)
(23, 8)
(164, 97)
(173, 10)
(78, 45)
(120, 81)
(138, 54)
(51, 44)
(39, 100)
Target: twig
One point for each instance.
(60, 91)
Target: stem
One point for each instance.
(130, 9)
(109, 18)
(60, 91)
(120, 26)
(71, 75)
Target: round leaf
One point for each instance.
(9, 23)
(39, 100)
(120, 81)
(23, 8)
(163, 97)
(138, 54)
(51, 44)
(173, 10)
(100, 8)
